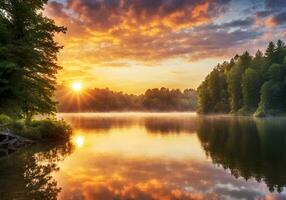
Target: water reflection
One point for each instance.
(78, 140)
(249, 148)
(28, 174)
(171, 125)
(170, 157)
(154, 123)
(109, 177)
(150, 156)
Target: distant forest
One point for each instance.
(102, 100)
(247, 84)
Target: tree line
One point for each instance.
(247, 84)
(101, 100)
(28, 55)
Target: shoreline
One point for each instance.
(60, 115)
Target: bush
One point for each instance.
(40, 130)
(50, 129)
(4, 120)
(17, 127)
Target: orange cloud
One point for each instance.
(139, 30)
(138, 14)
(270, 22)
(123, 33)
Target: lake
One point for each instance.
(153, 156)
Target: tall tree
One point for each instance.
(235, 81)
(250, 90)
(280, 52)
(30, 56)
(204, 105)
(7, 66)
(269, 53)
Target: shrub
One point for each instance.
(17, 127)
(50, 129)
(4, 120)
(40, 130)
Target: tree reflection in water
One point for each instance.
(27, 174)
(171, 125)
(247, 147)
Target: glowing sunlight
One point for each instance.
(142, 99)
(76, 86)
(78, 141)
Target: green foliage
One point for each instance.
(4, 119)
(50, 129)
(273, 92)
(28, 56)
(204, 106)
(270, 52)
(235, 81)
(276, 72)
(212, 94)
(253, 84)
(272, 99)
(164, 99)
(250, 91)
(40, 130)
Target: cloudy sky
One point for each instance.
(132, 45)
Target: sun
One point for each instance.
(76, 86)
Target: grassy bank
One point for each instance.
(38, 130)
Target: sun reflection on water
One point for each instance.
(163, 157)
(79, 141)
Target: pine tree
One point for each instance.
(269, 53)
(279, 52)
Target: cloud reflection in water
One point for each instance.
(155, 158)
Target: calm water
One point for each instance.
(153, 156)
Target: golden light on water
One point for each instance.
(76, 86)
(78, 141)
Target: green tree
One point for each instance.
(213, 96)
(272, 92)
(257, 83)
(28, 57)
(250, 91)
(235, 81)
(203, 98)
(280, 52)
(270, 52)
(7, 66)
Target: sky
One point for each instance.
(133, 45)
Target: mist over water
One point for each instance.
(154, 156)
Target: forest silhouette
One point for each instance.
(102, 100)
